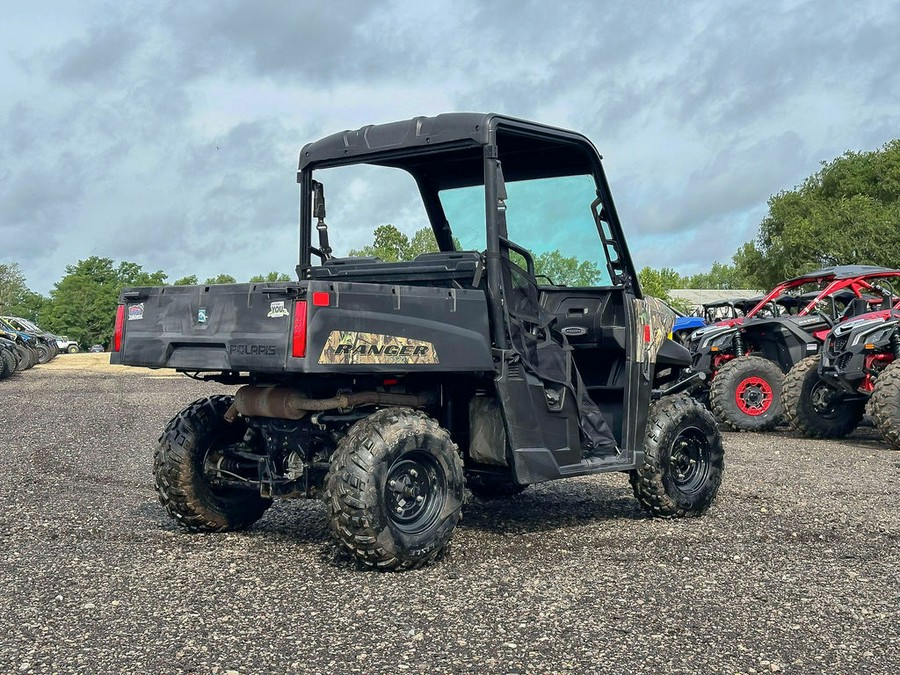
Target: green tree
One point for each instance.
(271, 276)
(565, 270)
(82, 304)
(12, 286)
(846, 213)
(658, 283)
(221, 279)
(720, 276)
(28, 306)
(190, 280)
(391, 245)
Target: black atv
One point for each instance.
(825, 395)
(745, 360)
(387, 387)
(44, 343)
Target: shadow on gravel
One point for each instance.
(550, 508)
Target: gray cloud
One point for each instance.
(168, 135)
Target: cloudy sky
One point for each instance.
(167, 133)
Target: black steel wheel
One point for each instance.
(683, 459)
(394, 491)
(191, 440)
(816, 409)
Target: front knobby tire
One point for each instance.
(884, 406)
(745, 394)
(193, 437)
(394, 492)
(683, 459)
(816, 409)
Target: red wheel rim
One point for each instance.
(753, 396)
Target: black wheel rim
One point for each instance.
(415, 491)
(689, 460)
(824, 401)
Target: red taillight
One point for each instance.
(646, 333)
(320, 299)
(120, 326)
(298, 338)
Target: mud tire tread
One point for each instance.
(353, 499)
(724, 386)
(799, 412)
(180, 485)
(649, 481)
(884, 406)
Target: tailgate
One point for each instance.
(229, 327)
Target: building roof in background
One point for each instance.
(701, 296)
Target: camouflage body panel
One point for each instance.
(353, 348)
(656, 314)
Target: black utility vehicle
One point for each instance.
(387, 387)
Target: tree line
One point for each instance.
(847, 212)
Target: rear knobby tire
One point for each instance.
(178, 466)
(379, 472)
(816, 409)
(745, 394)
(884, 406)
(683, 459)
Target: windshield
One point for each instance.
(550, 217)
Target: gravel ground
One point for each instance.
(795, 569)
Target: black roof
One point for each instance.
(440, 150)
(842, 272)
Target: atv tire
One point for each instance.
(394, 492)
(814, 408)
(745, 394)
(485, 486)
(884, 405)
(25, 360)
(7, 363)
(683, 462)
(178, 465)
(43, 354)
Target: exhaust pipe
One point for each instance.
(291, 404)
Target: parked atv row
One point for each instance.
(744, 359)
(825, 395)
(23, 345)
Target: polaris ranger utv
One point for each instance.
(825, 395)
(745, 361)
(387, 387)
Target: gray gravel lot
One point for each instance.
(795, 569)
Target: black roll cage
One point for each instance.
(529, 150)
